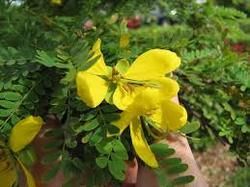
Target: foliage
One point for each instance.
(241, 177)
(43, 45)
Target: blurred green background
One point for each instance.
(212, 37)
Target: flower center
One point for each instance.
(115, 76)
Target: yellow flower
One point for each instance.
(56, 2)
(21, 135)
(164, 113)
(148, 70)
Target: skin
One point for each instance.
(140, 176)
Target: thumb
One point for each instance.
(131, 174)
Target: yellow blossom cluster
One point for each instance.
(140, 90)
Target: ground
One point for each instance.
(217, 165)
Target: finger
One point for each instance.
(131, 174)
(146, 177)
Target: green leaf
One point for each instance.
(111, 117)
(168, 162)
(54, 144)
(69, 167)
(11, 96)
(122, 66)
(109, 109)
(51, 157)
(240, 121)
(54, 133)
(88, 64)
(51, 173)
(183, 180)
(113, 129)
(97, 137)
(90, 125)
(120, 150)
(190, 127)
(110, 93)
(161, 150)
(88, 116)
(15, 119)
(5, 113)
(105, 146)
(7, 104)
(86, 138)
(102, 161)
(48, 61)
(71, 142)
(70, 182)
(70, 76)
(162, 178)
(45, 59)
(177, 169)
(117, 168)
(27, 156)
(245, 129)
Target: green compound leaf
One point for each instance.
(49, 61)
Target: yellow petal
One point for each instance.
(146, 101)
(8, 175)
(153, 63)
(124, 96)
(99, 68)
(124, 40)
(29, 178)
(168, 88)
(156, 117)
(140, 144)
(174, 116)
(24, 132)
(91, 89)
(124, 121)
